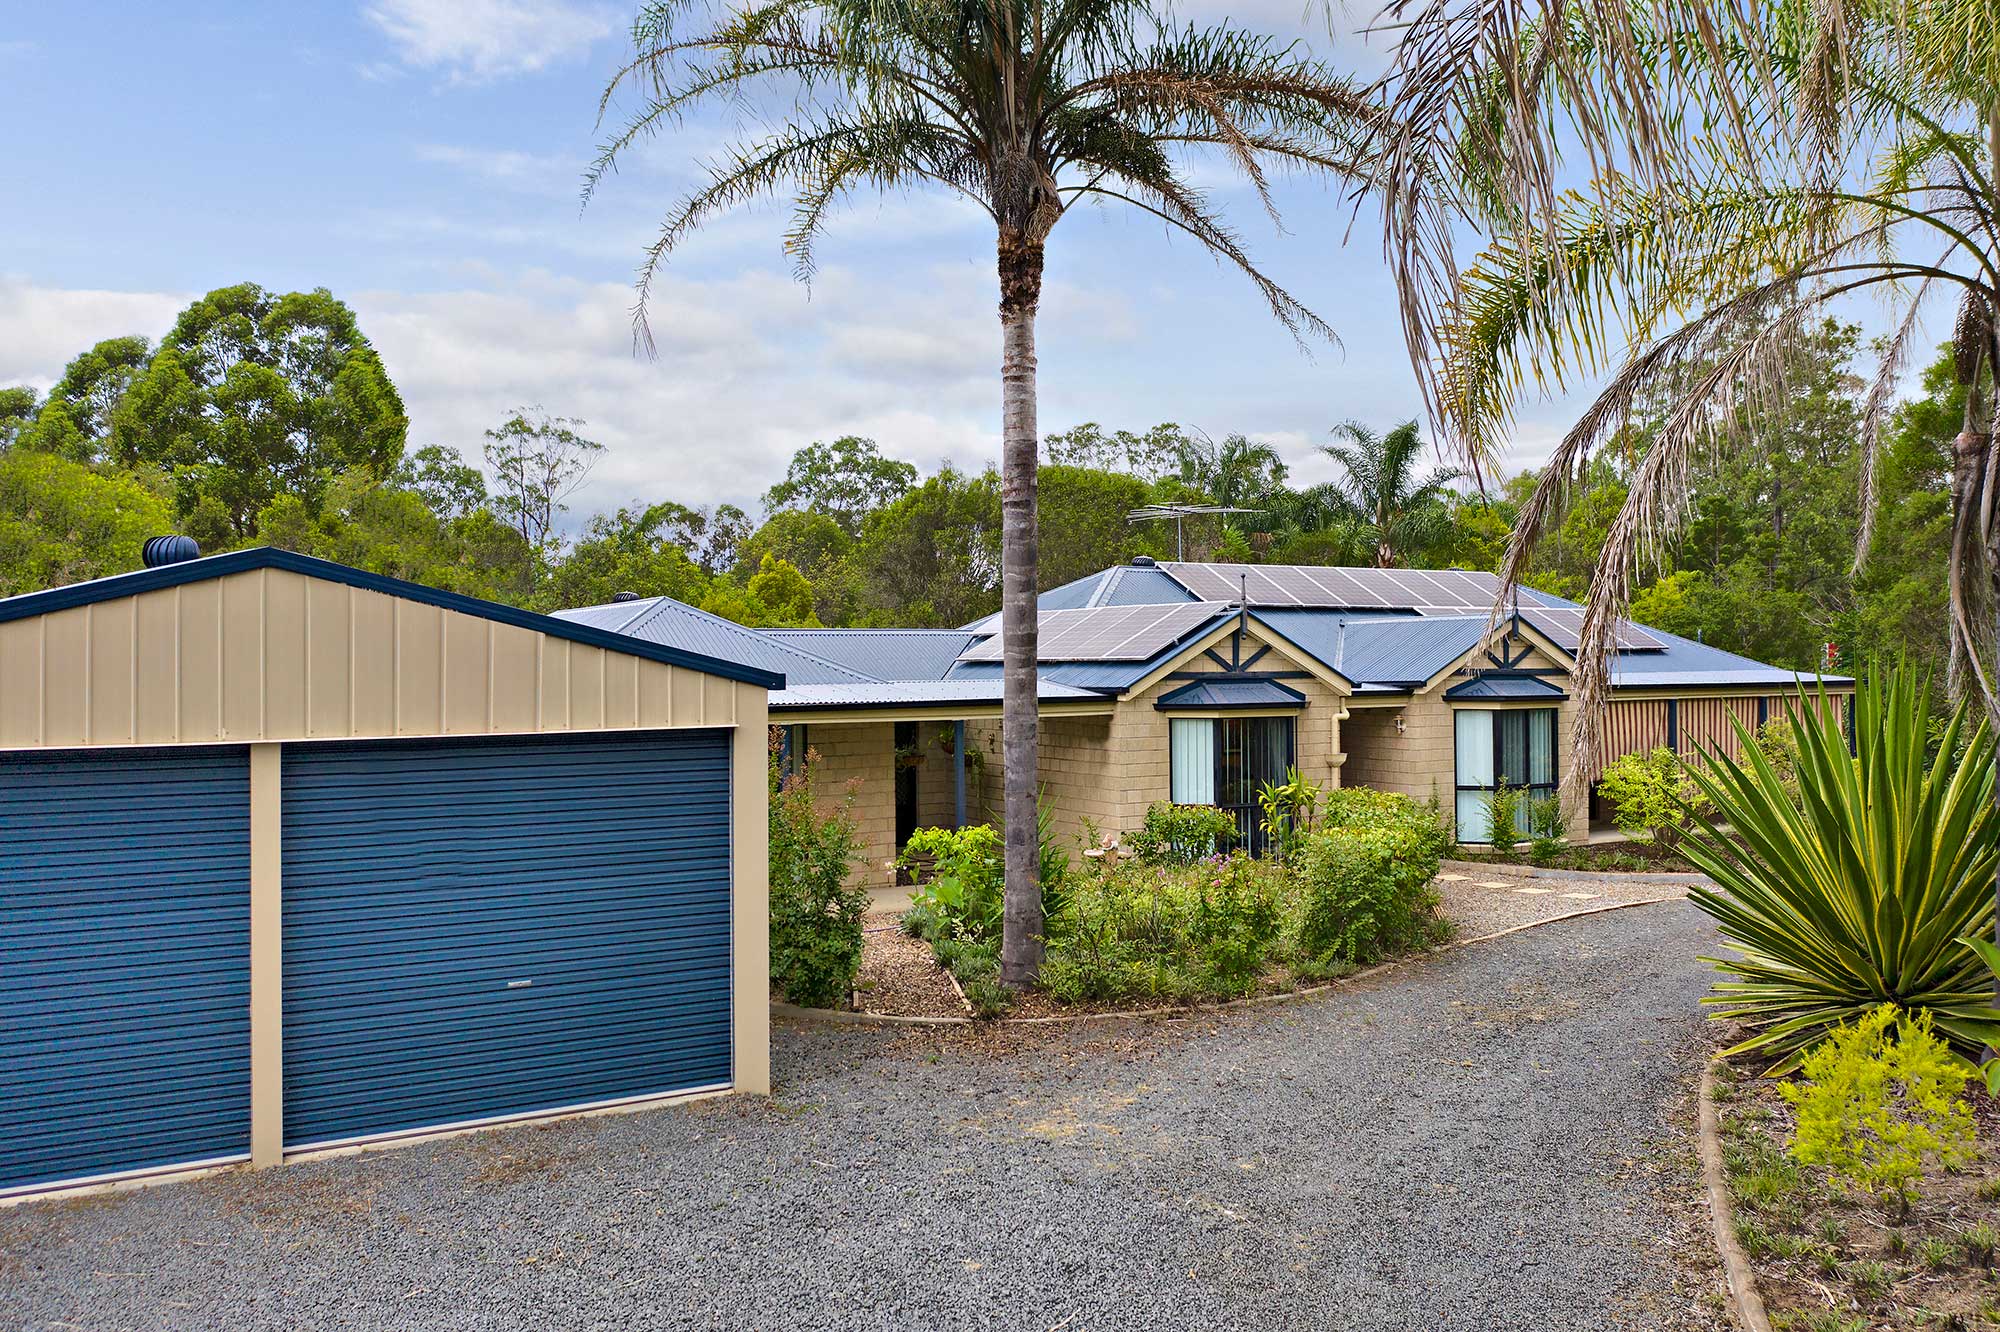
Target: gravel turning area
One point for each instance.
(1480, 904)
(1489, 1138)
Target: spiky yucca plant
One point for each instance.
(1858, 892)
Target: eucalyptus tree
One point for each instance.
(1023, 108)
(1674, 192)
(1381, 489)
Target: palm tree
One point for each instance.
(1238, 471)
(1025, 108)
(1396, 511)
(1751, 166)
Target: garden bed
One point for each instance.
(1829, 1261)
(900, 977)
(1633, 857)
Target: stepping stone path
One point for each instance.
(1493, 883)
(1531, 892)
(1582, 897)
(1452, 878)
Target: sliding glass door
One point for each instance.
(1501, 746)
(1225, 761)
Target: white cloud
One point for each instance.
(535, 173)
(42, 328)
(475, 40)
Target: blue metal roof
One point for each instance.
(1388, 647)
(269, 557)
(918, 693)
(1139, 585)
(1225, 693)
(1505, 687)
(1684, 662)
(1104, 676)
(883, 654)
(662, 620)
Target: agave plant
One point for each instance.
(1857, 891)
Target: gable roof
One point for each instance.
(883, 654)
(662, 620)
(269, 557)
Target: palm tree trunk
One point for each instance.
(1020, 294)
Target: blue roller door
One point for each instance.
(479, 929)
(124, 962)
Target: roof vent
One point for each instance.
(161, 550)
(1142, 561)
(618, 597)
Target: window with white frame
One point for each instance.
(1501, 746)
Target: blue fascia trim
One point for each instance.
(269, 557)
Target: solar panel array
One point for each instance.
(1309, 586)
(1108, 633)
(1429, 591)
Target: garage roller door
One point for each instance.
(124, 962)
(482, 929)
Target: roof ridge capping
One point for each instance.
(254, 558)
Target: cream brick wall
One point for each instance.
(1421, 761)
(860, 758)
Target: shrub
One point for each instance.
(1365, 878)
(1289, 810)
(1183, 834)
(1547, 829)
(1857, 892)
(960, 874)
(1651, 795)
(1881, 1099)
(1168, 931)
(815, 916)
(1503, 818)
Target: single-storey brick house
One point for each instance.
(1197, 683)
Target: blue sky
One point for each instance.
(421, 158)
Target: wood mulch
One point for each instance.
(1829, 1259)
(900, 977)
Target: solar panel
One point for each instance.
(1429, 591)
(1564, 626)
(1108, 633)
(1271, 585)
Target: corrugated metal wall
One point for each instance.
(124, 962)
(275, 655)
(500, 927)
(1690, 725)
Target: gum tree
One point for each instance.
(1024, 108)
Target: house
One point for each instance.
(1197, 683)
(295, 857)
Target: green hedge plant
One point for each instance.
(1651, 795)
(815, 914)
(1168, 932)
(1856, 891)
(1365, 880)
(1183, 834)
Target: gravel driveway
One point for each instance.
(1473, 1142)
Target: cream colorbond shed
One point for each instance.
(295, 856)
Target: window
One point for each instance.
(790, 742)
(1225, 761)
(1512, 746)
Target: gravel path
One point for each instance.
(1481, 903)
(1473, 1142)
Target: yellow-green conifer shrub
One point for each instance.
(1881, 1100)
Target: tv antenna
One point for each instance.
(1155, 512)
